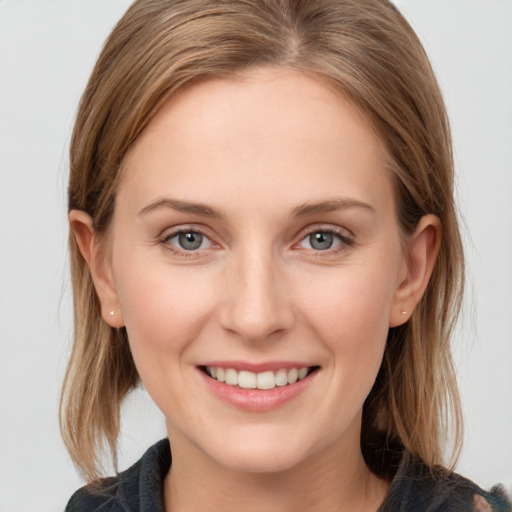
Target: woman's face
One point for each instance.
(255, 233)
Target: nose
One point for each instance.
(257, 305)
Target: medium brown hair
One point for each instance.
(365, 50)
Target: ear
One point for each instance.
(101, 272)
(420, 257)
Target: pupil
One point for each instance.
(190, 241)
(321, 240)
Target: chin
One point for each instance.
(259, 461)
(261, 453)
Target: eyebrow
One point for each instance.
(182, 206)
(332, 205)
(303, 210)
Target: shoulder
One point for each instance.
(137, 489)
(495, 500)
(96, 497)
(419, 488)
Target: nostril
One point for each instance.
(259, 323)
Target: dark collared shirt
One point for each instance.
(414, 489)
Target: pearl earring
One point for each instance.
(404, 313)
(112, 313)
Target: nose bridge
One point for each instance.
(257, 301)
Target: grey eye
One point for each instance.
(190, 241)
(321, 240)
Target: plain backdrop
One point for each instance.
(47, 50)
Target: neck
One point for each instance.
(334, 480)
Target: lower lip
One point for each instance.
(257, 400)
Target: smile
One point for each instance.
(263, 380)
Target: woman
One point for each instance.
(264, 235)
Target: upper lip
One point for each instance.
(257, 367)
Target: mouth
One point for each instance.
(265, 380)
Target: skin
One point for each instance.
(258, 151)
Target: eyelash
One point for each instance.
(183, 253)
(345, 241)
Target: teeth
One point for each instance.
(266, 380)
(250, 380)
(247, 380)
(293, 375)
(281, 377)
(232, 377)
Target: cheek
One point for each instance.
(351, 317)
(351, 304)
(163, 308)
(164, 313)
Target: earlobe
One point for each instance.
(421, 255)
(89, 245)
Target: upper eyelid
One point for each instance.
(170, 232)
(329, 228)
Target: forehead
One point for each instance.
(267, 128)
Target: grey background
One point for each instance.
(47, 49)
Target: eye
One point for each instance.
(324, 240)
(321, 240)
(188, 240)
